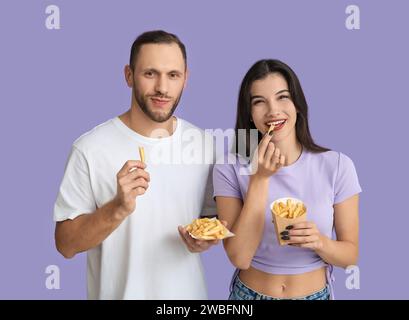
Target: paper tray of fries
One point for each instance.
(287, 211)
(208, 229)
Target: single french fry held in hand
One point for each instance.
(271, 129)
(208, 229)
(142, 154)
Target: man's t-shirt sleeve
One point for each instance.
(75, 196)
(346, 183)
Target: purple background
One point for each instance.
(57, 84)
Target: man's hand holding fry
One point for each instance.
(208, 231)
(132, 181)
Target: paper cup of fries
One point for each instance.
(287, 211)
(208, 229)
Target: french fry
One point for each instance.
(271, 128)
(213, 231)
(297, 210)
(276, 208)
(208, 228)
(142, 154)
(290, 214)
(284, 213)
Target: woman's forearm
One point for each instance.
(338, 253)
(249, 226)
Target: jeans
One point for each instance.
(241, 292)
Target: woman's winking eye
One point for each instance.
(282, 97)
(255, 102)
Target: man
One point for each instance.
(125, 213)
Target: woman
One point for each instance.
(286, 163)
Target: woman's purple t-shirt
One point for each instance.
(320, 180)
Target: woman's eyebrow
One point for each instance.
(281, 91)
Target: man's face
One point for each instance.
(158, 80)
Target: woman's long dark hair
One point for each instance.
(260, 70)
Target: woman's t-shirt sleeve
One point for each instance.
(346, 182)
(225, 182)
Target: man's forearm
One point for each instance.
(88, 230)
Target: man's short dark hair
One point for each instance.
(156, 37)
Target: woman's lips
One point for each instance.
(278, 126)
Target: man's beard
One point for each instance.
(143, 104)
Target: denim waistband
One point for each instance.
(243, 292)
(329, 277)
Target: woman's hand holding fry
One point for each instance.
(304, 235)
(267, 158)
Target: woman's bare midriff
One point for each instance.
(284, 285)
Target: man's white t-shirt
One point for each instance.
(144, 258)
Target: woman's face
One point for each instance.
(271, 103)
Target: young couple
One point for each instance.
(126, 213)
